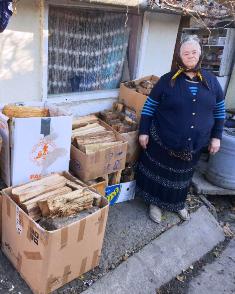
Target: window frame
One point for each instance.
(74, 96)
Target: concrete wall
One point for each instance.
(20, 78)
(160, 43)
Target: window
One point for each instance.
(88, 50)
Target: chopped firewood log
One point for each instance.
(108, 115)
(73, 185)
(82, 121)
(118, 107)
(90, 148)
(107, 136)
(32, 189)
(88, 129)
(12, 110)
(67, 204)
(31, 206)
(97, 199)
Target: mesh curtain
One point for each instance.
(87, 50)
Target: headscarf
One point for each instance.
(182, 68)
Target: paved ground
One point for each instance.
(218, 277)
(212, 267)
(163, 258)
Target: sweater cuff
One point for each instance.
(145, 123)
(217, 130)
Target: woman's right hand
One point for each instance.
(143, 140)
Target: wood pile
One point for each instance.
(12, 110)
(52, 196)
(121, 118)
(128, 174)
(143, 86)
(89, 135)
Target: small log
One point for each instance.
(89, 129)
(115, 177)
(73, 185)
(67, 204)
(82, 121)
(106, 136)
(31, 206)
(25, 192)
(99, 146)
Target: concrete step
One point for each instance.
(163, 258)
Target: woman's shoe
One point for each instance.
(155, 213)
(184, 215)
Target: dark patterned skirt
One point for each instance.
(164, 178)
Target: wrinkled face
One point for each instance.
(190, 53)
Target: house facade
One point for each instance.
(37, 54)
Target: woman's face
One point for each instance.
(190, 54)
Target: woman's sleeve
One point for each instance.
(219, 113)
(150, 107)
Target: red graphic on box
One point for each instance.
(41, 151)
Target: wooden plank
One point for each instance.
(25, 192)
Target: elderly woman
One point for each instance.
(183, 113)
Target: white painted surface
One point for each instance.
(20, 77)
(159, 45)
(230, 96)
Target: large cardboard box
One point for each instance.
(120, 192)
(47, 260)
(36, 146)
(99, 163)
(133, 99)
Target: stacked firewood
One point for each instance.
(121, 118)
(12, 110)
(144, 86)
(54, 195)
(89, 135)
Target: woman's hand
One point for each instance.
(214, 146)
(143, 140)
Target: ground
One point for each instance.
(194, 277)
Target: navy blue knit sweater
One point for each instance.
(186, 115)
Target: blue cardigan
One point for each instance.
(186, 115)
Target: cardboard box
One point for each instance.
(120, 192)
(47, 260)
(133, 99)
(99, 163)
(133, 147)
(36, 146)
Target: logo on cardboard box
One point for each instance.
(112, 193)
(41, 150)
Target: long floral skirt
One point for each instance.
(163, 179)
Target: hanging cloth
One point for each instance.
(6, 12)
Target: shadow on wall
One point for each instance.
(15, 54)
(20, 55)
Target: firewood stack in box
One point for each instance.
(54, 195)
(89, 135)
(121, 118)
(144, 86)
